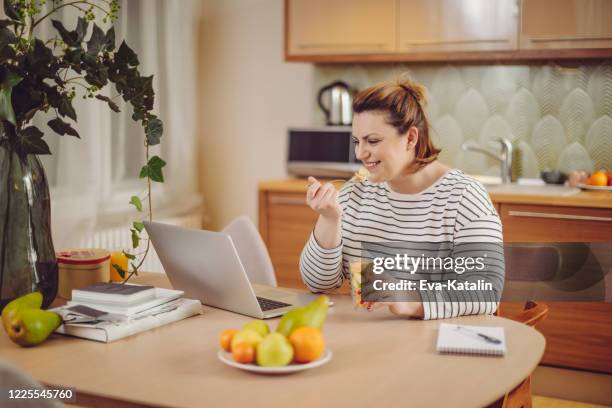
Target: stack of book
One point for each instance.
(110, 311)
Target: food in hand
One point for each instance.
(355, 271)
(599, 178)
(308, 344)
(259, 326)
(246, 336)
(243, 353)
(310, 315)
(225, 340)
(26, 323)
(274, 351)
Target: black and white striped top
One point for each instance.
(455, 209)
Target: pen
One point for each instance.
(487, 338)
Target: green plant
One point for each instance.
(44, 75)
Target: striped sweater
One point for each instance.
(455, 209)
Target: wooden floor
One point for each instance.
(546, 402)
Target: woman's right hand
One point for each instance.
(323, 198)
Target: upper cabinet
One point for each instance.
(340, 27)
(451, 25)
(446, 30)
(566, 24)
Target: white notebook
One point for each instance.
(479, 340)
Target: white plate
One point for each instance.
(597, 188)
(226, 358)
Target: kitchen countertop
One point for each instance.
(592, 199)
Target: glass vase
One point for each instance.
(27, 256)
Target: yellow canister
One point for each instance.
(81, 267)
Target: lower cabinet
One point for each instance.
(578, 334)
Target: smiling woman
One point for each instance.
(410, 199)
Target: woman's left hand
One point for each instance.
(410, 309)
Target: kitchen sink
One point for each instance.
(525, 186)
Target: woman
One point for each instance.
(408, 196)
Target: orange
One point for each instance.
(225, 341)
(308, 344)
(599, 178)
(243, 353)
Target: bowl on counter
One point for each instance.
(553, 177)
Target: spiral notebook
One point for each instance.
(477, 340)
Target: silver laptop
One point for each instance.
(206, 265)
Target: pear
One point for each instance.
(274, 351)
(30, 327)
(259, 326)
(30, 301)
(311, 315)
(246, 336)
(290, 321)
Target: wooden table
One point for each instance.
(379, 360)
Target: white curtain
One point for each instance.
(92, 178)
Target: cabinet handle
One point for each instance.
(531, 214)
(288, 200)
(460, 41)
(569, 38)
(344, 45)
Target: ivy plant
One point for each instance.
(46, 74)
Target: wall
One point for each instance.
(248, 99)
(557, 117)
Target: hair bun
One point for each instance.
(416, 90)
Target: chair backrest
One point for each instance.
(252, 251)
(532, 314)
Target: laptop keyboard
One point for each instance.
(268, 304)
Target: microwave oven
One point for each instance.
(325, 151)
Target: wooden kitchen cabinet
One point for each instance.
(578, 334)
(451, 25)
(285, 223)
(340, 27)
(334, 31)
(565, 24)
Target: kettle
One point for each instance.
(339, 109)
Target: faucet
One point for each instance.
(504, 158)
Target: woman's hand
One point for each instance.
(323, 198)
(409, 309)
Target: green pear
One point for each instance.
(30, 301)
(274, 351)
(30, 327)
(259, 326)
(316, 312)
(311, 315)
(290, 321)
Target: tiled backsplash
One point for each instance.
(557, 117)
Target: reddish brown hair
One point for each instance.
(402, 102)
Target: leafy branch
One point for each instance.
(34, 78)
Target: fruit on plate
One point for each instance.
(26, 323)
(259, 326)
(243, 353)
(274, 351)
(310, 315)
(599, 178)
(308, 344)
(225, 340)
(247, 336)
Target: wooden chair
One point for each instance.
(520, 396)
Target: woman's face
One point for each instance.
(382, 151)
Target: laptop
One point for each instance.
(206, 266)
